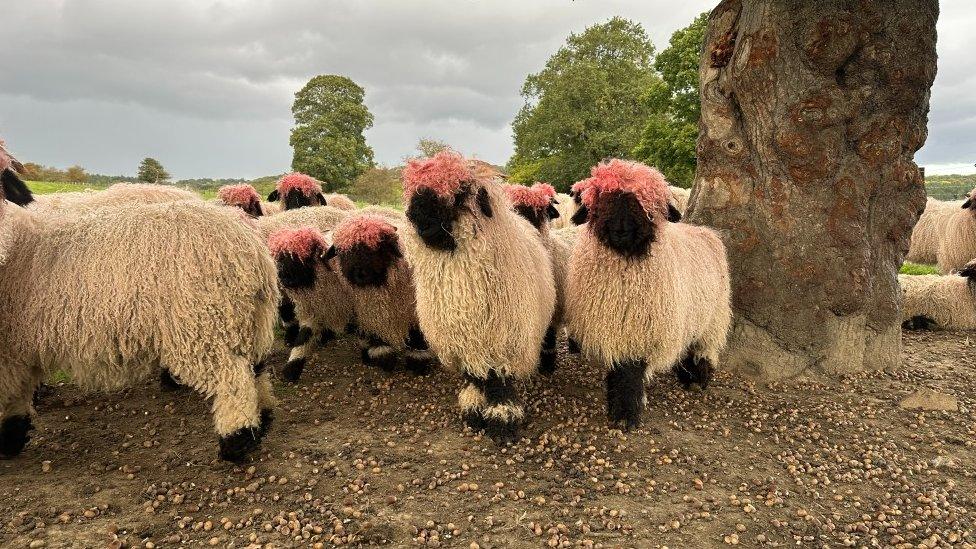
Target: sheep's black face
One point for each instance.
(621, 224)
(252, 208)
(369, 267)
(13, 189)
(434, 217)
(535, 216)
(297, 199)
(295, 273)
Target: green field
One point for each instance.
(909, 268)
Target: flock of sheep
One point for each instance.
(476, 276)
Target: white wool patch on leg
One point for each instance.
(471, 398)
(420, 355)
(380, 351)
(509, 413)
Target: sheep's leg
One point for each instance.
(266, 399)
(286, 312)
(694, 368)
(626, 394)
(420, 359)
(920, 322)
(169, 383)
(298, 356)
(547, 355)
(376, 352)
(492, 404)
(15, 422)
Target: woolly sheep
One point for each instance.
(322, 304)
(679, 198)
(644, 294)
(297, 190)
(947, 302)
(958, 243)
(566, 207)
(485, 293)
(369, 256)
(340, 201)
(116, 195)
(537, 205)
(242, 196)
(202, 306)
(929, 231)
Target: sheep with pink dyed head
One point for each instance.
(644, 295)
(200, 307)
(322, 304)
(369, 255)
(298, 190)
(485, 291)
(241, 196)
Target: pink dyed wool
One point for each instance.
(308, 185)
(442, 173)
(365, 229)
(238, 195)
(537, 196)
(645, 183)
(299, 243)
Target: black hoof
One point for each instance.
(694, 369)
(293, 370)
(267, 418)
(385, 360)
(500, 431)
(13, 435)
(547, 362)
(474, 420)
(236, 446)
(419, 363)
(291, 334)
(167, 382)
(573, 346)
(625, 394)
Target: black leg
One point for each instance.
(237, 445)
(286, 310)
(547, 356)
(14, 435)
(327, 336)
(503, 413)
(419, 358)
(291, 334)
(626, 398)
(293, 369)
(168, 382)
(694, 369)
(920, 323)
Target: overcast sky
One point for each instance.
(206, 86)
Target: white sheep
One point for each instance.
(566, 207)
(116, 195)
(958, 243)
(111, 298)
(644, 294)
(245, 197)
(485, 293)
(947, 302)
(369, 256)
(297, 190)
(930, 230)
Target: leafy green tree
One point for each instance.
(76, 174)
(428, 146)
(585, 105)
(151, 171)
(670, 135)
(328, 138)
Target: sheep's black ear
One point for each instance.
(581, 216)
(14, 189)
(674, 215)
(273, 196)
(967, 203)
(329, 254)
(484, 202)
(552, 212)
(321, 198)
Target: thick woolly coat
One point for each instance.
(929, 231)
(949, 301)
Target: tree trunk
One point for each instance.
(811, 115)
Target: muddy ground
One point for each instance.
(360, 457)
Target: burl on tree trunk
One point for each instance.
(811, 115)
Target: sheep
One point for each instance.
(485, 291)
(679, 198)
(934, 301)
(243, 196)
(76, 299)
(644, 293)
(537, 204)
(929, 231)
(566, 207)
(297, 190)
(369, 256)
(340, 201)
(118, 194)
(958, 243)
(322, 304)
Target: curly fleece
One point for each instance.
(644, 182)
(928, 233)
(958, 245)
(306, 184)
(238, 195)
(538, 196)
(368, 229)
(443, 173)
(202, 306)
(117, 195)
(946, 300)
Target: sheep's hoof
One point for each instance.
(419, 362)
(474, 420)
(694, 369)
(237, 445)
(293, 370)
(920, 323)
(167, 382)
(547, 362)
(291, 334)
(14, 435)
(382, 357)
(501, 431)
(267, 418)
(573, 346)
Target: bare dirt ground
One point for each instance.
(359, 457)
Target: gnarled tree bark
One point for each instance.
(811, 115)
